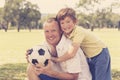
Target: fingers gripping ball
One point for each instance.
(39, 55)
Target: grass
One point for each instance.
(13, 46)
(13, 71)
(112, 39)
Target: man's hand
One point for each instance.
(27, 53)
(40, 69)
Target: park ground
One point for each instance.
(13, 46)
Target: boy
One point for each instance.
(94, 49)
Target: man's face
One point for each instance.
(52, 33)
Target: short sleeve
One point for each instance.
(77, 36)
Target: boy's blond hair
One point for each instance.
(66, 12)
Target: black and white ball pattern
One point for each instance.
(39, 55)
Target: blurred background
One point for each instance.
(30, 14)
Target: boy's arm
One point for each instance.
(69, 54)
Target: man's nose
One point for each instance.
(50, 33)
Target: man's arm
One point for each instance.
(56, 74)
(62, 75)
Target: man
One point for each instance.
(73, 69)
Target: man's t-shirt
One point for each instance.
(78, 64)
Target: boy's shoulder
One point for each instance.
(79, 28)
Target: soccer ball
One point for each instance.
(39, 55)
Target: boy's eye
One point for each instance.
(68, 21)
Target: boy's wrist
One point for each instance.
(58, 60)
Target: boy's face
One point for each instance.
(52, 33)
(67, 25)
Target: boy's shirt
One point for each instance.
(78, 64)
(89, 43)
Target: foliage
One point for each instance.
(97, 17)
(21, 13)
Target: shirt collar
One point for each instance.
(48, 46)
(62, 40)
(71, 34)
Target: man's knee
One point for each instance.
(31, 73)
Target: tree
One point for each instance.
(98, 17)
(2, 22)
(21, 13)
(31, 15)
(11, 11)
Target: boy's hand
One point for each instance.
(54, 59)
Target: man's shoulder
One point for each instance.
(64, 40)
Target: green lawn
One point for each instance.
(13, 46)
(112, 39)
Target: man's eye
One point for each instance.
(46, 31)
(68, 21)
(53, 30)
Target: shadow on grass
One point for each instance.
(115, 75)
(13, 71)
(18, 72)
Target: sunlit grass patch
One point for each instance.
(13, 71)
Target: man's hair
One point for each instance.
(66, 12)
(49, 20)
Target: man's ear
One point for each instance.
(61, 32)
(75, 21)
